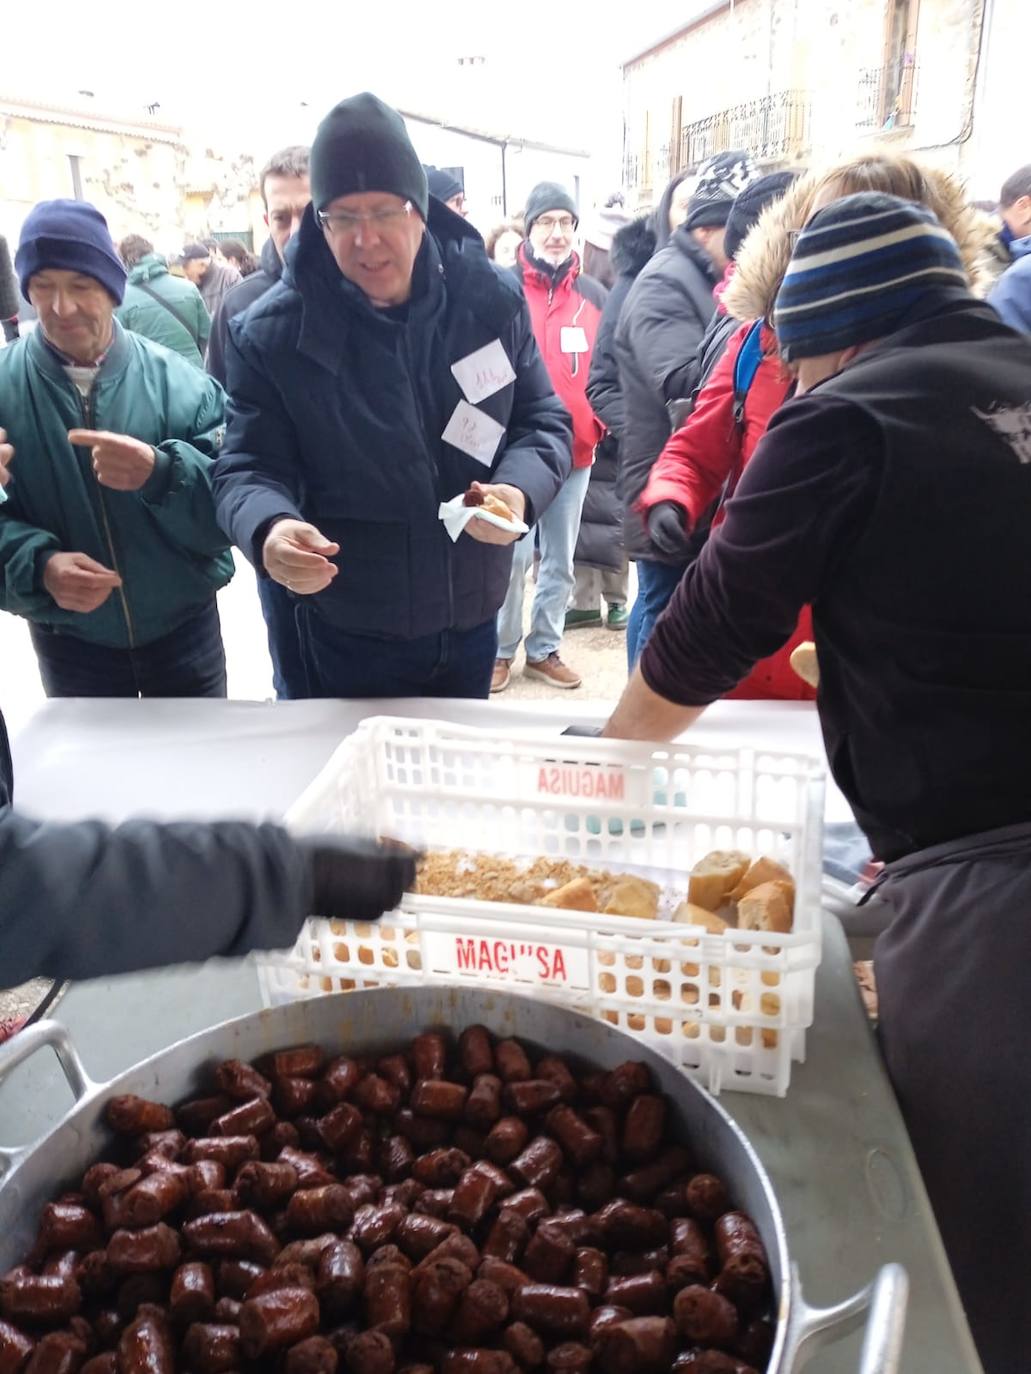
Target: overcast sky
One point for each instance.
(550, 74)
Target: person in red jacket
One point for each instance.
(565, 310)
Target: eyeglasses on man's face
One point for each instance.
(547, 224)
(342, 223)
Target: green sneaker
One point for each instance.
(617, 618)
(576, 620)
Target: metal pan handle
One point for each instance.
(811, 1328)
(23, 1046)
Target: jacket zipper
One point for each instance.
(433, 466)
(86, 407)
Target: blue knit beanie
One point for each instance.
(859, 267)
(73, 236)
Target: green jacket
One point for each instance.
(141, 313)
(162, 539)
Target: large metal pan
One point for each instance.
(364, 1022)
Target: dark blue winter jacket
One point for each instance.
(336, 416)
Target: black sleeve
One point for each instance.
(808, 490)
(215, 358)
(603, 387)
(666, 324)
(82, 900)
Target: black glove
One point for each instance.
(667, 529)
(355, 879)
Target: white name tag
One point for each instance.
(484, 372)
(474, 433)
(573, 339)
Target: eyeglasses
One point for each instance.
(342, 222)
(564, 223)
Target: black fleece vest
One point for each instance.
(924, 625)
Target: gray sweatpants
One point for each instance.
(954, 988)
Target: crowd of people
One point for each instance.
(800, 403)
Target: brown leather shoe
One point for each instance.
(553, 670)
(502, 675)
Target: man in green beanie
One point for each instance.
(392, 369)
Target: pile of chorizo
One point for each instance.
(457, 1207)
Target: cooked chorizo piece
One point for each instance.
(212, 1348)
(456, 1246)
(629, 1226)
(339, 1078)
(478, 1361)
(59, 1352)
(273, 1321)
(539, 1163)
(145, 1346)
(571, 1357)
(527, 1096)
(228, 1150)
(436, 1292)
(441, 1168)
(131, 1115)
(437, 1097)
(153, 1198)
(234, 1277)
(265, 1184)
(524, 1345)
(104, 1363)
(340, 1277)
(625, 1262)
(303, 1061)
(371, 1352)
(206, 1175)
(643, 1127)
(341, 1127)
(212, 1200)
(294, 1096)
(235, 1235)
(548, 1308)
(374, 1226)
(506, 1139)
(707, 1198)
(551, 1066)
(429, 1054)
(424, 1132)
(253, 1117)
(435, 1202)
(394, 1068)
(622, 1084)
(595, 1184)
(476, 1193)
(15, 1348)
(313, 1211)
(512, 1063)
(311, 1172)
(316, 1355)
(286, 1276)
(396, 1158)
(417, 1235)
(581, 1142)
(475, 1052)
(704, 1317)
(170, 1143)
(530, 1204)
(192, 1298)
(508, 1277)
(606, 1123)
(641, 1185)
(602, 1318)
(93, 1179)
(241, 1081)
(68, 1226)
(388, 1299)
(377, 1095)
(642, 1345)
(482, 1311)
(744, 1273)
(144, 1252)
(508, 1236)
(591, 1271)
(197, 1115)
(483, 1105)
(644, 1294)
(549, 1254)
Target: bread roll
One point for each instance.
(805, 663)
(495, 506)
(575, 896)
(766, 907)
(764, 871)
(690, 915)
(629, 896)
(714, 877)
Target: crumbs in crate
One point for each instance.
(725, 889)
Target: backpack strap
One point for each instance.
(746, 365)
(154, 295)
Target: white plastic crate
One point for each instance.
(731, 1009)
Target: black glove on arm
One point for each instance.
(667, 529)
(354, 879)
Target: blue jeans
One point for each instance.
(452, 663)
(656, 583)
(284, 646)
(558, 529)
(188, 662)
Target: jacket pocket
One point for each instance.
(372, 592)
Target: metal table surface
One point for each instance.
(835, 1147)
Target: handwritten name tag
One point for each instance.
(474, 433)
(484, 372)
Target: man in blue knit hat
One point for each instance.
(894, 497)
(108, 541)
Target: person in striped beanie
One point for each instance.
(859, 267)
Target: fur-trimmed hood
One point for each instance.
(632, 246)
(763, 257)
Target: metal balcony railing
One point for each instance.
(773, 128)
(886, 96)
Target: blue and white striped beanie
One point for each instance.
(858, 268)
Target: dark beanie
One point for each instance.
(363, 145)
(548, 195)
(720, 180)
(859, 268)
(748, 206)
(72, 236)
(442, 184)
